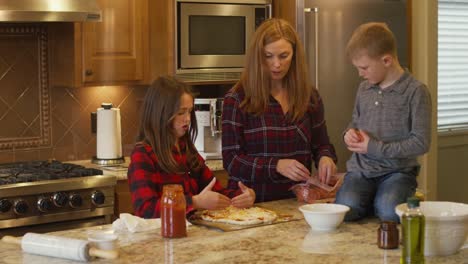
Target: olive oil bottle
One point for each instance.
(412, 223)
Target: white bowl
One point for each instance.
(446, 226)
(103, 240)
(324, 216)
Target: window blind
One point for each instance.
(452, 98)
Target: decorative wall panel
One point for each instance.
(24, 87)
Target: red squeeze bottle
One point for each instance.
(173, 208)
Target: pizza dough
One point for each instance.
(240, 216)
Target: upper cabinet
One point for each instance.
(132, 44)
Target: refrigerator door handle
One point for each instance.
(315, 10)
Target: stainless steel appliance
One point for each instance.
(325, 27)
(35, 194)
(212, 36)
(49, 11)
(208, 112)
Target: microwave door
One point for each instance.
(215, 35)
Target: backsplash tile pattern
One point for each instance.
(71, 126)
(24, 87)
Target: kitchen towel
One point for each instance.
(128, 222)
(109, 141)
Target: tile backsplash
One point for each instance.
(40, 119)
(71, 126)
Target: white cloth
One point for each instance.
(128, 222)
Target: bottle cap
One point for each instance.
(412, 202)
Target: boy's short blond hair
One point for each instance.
(372, 39)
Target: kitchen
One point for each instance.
(87, 69)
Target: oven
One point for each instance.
(212, 37)
(45, 196)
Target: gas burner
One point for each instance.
(33, 171)
(44, 192)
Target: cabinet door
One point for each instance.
(114, 49)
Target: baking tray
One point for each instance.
(282, 218)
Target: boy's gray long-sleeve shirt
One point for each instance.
(398, 121)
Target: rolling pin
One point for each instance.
(60, 247)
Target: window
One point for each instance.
(452, 113)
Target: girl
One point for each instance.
(165, 153)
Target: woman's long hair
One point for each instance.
(160, 105)
(256, 77)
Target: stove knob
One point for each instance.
(44, 204)
(5, 205)
(20, 207)
(60, 199)
(75, 200)
(98, 198)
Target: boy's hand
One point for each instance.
(293, 170)
(353, 135)
(326, 169)
(246, 199)
(207, 199)
(360, 146)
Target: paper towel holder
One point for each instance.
(95, 159)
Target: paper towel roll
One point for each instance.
(109, 139)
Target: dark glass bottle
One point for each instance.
(412, 225)
(387, 237)
(173, 208)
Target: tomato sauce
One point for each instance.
(173, 207)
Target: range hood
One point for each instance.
(49, 11)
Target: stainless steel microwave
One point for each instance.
(212, 36)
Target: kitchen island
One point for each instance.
(290, 242)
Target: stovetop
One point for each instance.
(33, 171)
(40, 192)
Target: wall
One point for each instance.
(445, 171)
(41, 115)
(70, 122)
(452, 167)
(424, 68)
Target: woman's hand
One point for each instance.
(207, 199)
(246, 199)
(293, 170)
(326, 169)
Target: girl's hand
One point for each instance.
(246, 199)
(326, 169)
(207, 199)
(293, 170)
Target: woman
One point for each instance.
(165, 154)
(273, 121)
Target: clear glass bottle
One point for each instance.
(412, 226)
(173, 207)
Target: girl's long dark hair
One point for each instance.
(160, 105)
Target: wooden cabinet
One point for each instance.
(123, 199)
(285, 9)
(132, 45)
(114, 49)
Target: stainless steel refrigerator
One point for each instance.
(325, 27)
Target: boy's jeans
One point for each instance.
(381, 194)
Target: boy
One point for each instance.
(390, 127)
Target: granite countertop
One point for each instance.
(291, 242)
(120, 170)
